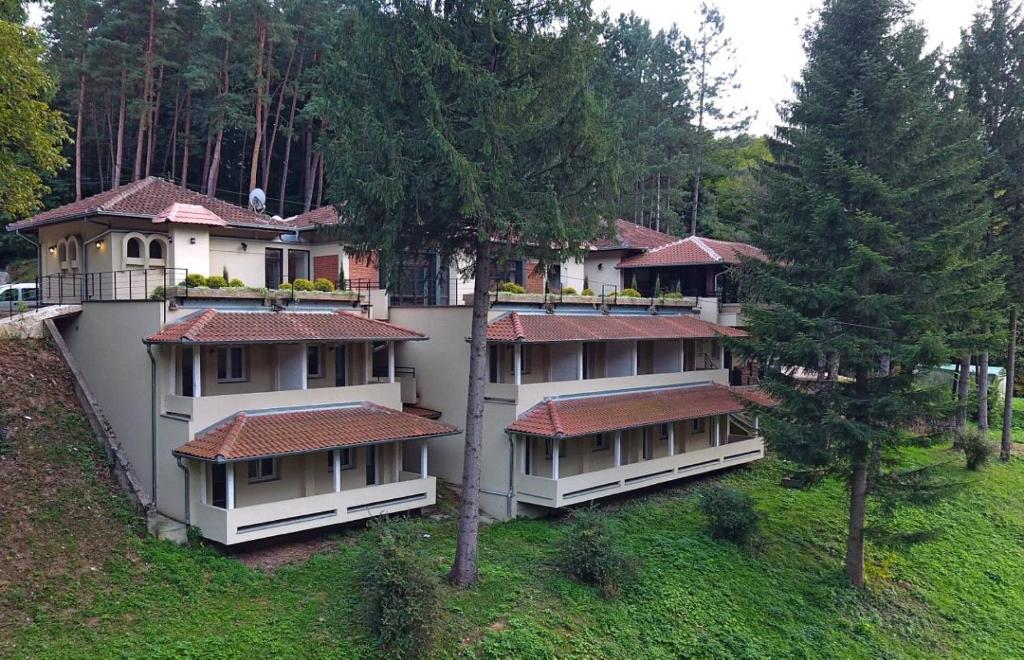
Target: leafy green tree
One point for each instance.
(471, 129)
(873, 215)
(733, 190)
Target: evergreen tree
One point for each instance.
(874, 206)
(471, 130)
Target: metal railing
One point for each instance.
(117, 285)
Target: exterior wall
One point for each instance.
(573, 273)
(534, 277)
(599, 269)
(362, 268)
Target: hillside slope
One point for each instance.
(77, 581)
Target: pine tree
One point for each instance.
(874, 194)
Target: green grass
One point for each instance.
(961, 593)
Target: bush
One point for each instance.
(629, 293)
(591, 554)
(216, 282)
(510, 287)
(568, 291)
(400, 591)
(159, 293)
(323, 284)
(673, 295)
(731, 514)
(302, 284)
(977, 449)
(587, 292)
(236, 283)
(286, 286)
(193, 280)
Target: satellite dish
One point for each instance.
(257, 200)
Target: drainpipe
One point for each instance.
(188, 493)
(511, 474)
(152, 418)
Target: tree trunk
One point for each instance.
(701, 92)
(261, 39)
(79, 126)
(288, 151)
(963, 388)
(147, 92)
(170, 164)
(268, 151)
(119, 157)
(1011, 374)
(185, 138)
(99, 148)
(983, 394)
(464, 570)
(211, 180)
(320, 184)
(154, 122)
(206, 158)
(858, 497)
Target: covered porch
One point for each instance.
(263, 474)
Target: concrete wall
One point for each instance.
(599, 269)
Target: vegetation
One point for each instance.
(216, 282)
(591, 553)
(976, 449)
(236, 283)
(587, 292)
(193, 280)
(323, 284)
(568, 291)
(731, 514)
(629, 292)
(511, 287)
(302, 284)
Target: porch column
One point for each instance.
(757, 421)
(202, 483)
(396, 462)
(634, 367)
(305, 367)
(517, 354)
(671, 439)
(391, 361)
(230, 472)
(717, 438)
(368, 362)
(579, 361)
(197, 372)
(618, 448)
(721, 354)
(728, 425)
(337, 470)
(554, 457)
(682, 355)
(423, 459)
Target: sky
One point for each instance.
(767, 37)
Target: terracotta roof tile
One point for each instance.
(325, 215)
(248, 435)
(216, 327)
(588, 414)
(191, 214)
(147, 198)
(631, 236)
(692, 251)
(544, 328)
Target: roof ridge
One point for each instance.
(234, 430)
(659, 248)
(130, 189)
(556, 420)
(699, 242)
(517, 326)
(204, 317)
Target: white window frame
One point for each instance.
(315, 368)
(346, 459)
(229, 362)
(273, 475)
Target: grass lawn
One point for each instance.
(88, 587)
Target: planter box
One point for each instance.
(256, 294)
(540, 299)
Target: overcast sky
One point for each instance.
(767, 38)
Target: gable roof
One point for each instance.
(211, 326)
(693, 251)
(325, 215)
(249, 435)
(147, 199)
(545, 328)
(191, 214)
(588, 414)
(631, 236)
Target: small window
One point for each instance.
(697, 425)
(62, 252)
(493, 363)
(380, 359)
(664, 431)
(346, 460)
(601, 442)
(314, 361)
(263, 469)
(72, 250)
(156, 249)
(232, 364)
(547, 449)
(134, 249)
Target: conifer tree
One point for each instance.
(872, 198)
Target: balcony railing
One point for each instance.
(116, 285)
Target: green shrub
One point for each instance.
(587, 292)
(629, 293)
(400, 591)
(977, 449)
(568, 291)
(591, 555)
(286, 286)
(673, 295)
(193, 280)
(730, 513)
(302, 284)
(159, 293)
(216, 282)
(510, 287)
(323, 284)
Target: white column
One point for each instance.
(671, 439)
(202, 483)
(305, 367)
(517, 352)
(579, 361)
(368, 366)
(757, 422)
(682, 355)
(337, 470)
(391, 361)
(554, 457)
(718, 438)
(721, 354)
(197, 372)
(230, 471)
(635, 369)
(728, 425)
(618, 448)
(423, 459)
(396, 462)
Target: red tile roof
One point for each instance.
(215, 327)
(250, 435)
(544, 328)
(587, 414)
(325, 215)
(191, 214)
(631, 236)
(147, 198)
(692, 251)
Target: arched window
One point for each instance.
(156, 249)
(62, 252)
(134, 249)
(72, 252)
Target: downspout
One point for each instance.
(188, 493)
(511, 474)
(152, 420)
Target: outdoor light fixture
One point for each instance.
(245, 247)
(53, 249)
(192, 240)
(99, 244)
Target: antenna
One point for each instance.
(257, 200)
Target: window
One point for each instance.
(133, 249)
(298, 265)
(263, 469)
(547, 449)
(340, 365)
(62, 252)
(527, 359)
(9, 295)
(73, 250)
(29, 293)
(380, 359)
(156, 249)
(697, 425)
(664, 431)
(601, 442)
(272, 259)
(494, 363)
(346, 460)
(232, 364)
(314, 361)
